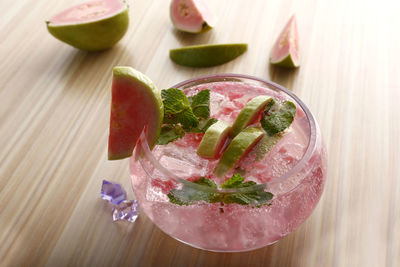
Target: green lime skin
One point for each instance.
(207, 55)
(238, 147)
(248, 113)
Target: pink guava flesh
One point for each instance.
(88, 12)
(287, 43)
(191, 15)
(132, 109)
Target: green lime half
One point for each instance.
(206, 55)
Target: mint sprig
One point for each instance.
(278, 117)
(170, 133)
(190, 194)
(183, 114)
(177, 108)
(200, 104)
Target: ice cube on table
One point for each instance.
(128, 210)
(112, 192)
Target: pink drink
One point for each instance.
(294, 170)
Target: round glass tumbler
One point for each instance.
(293, 170)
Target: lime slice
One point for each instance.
(136, 103)
(213, 139)
(206, 55)
(239, 146)
(91, 26)
(249, 113)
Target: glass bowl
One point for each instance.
(293, 172)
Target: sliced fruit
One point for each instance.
(285, 52)
(239, 146)
(213, 139)
(136, 103)
(206, 55)
(91, 26)
(249, 113)
(191, 16)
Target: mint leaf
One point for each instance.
(206, 182)
(177, 109)
(200, 104)
(183, 114)
(190, 194)
(278, 117)
(170, 133)
(233, 182)
(257, 197)
(204, 124)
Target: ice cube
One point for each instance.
(112, 192)
(128, 210)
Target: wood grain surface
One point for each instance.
(54, 112)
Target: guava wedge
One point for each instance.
(135, 103)
(91, 26)
(213, 139)
(285, 52)
(249, 113)
(206, 55)
(239, 146)
(192, 16)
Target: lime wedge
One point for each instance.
(135, 103)
(249, 113)
(239, 146)
(213, 139)
(206, 55)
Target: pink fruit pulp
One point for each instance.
(287, 43)
(88, 12)
(190, 15)
(234, 227)
(129, 113)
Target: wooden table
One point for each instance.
(54, 115)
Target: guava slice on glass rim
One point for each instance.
(191, 16)
(135, 104)
(91, 26)
(285, 52)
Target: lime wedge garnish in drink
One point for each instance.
(239, 146)
(249, 113)
(213, 139)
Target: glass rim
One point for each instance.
(241, 78)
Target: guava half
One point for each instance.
(91, 26)
(191, 16)
(285, 52)
(135, 103)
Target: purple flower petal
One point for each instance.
(128, 210)
(113, 192)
